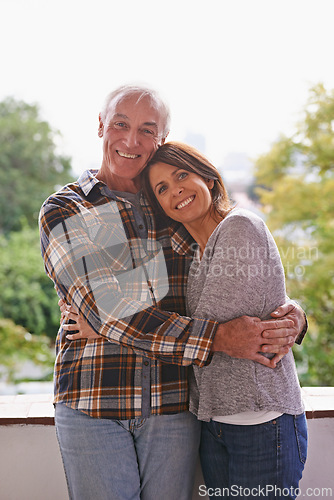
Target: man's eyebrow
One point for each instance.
(145, 124)
(150, 124)
(120, 115)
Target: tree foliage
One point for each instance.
(30, 167)
(30, 170)
(18, 345)
(27, 294)
(297, 185)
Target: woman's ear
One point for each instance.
(210, 183)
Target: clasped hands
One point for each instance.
(244, 337)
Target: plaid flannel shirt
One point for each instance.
(131, 290)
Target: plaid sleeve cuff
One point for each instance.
(198, 346)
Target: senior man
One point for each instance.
(122, 398)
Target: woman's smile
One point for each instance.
(185, 203)
(183, 195)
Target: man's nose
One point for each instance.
(132, 138)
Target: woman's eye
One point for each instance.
(162, 189)
(183, 175)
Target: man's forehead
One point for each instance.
(133, 106)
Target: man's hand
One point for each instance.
(85, 331)
(243, 338)
(296, 314)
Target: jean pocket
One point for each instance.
(301, 435)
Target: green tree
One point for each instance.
(297, 179)
(30, 167)
(17, 346)
(27, 294)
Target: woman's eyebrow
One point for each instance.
(173, 173)
(158, 184)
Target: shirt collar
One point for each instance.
(87, 181)
(181, 240)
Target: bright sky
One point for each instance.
(234, 71)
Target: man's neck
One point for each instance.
(116, 183)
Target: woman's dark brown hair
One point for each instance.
(187, 158)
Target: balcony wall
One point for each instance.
(30, 462)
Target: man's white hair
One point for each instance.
(125, 91)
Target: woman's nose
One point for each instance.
(178, 190)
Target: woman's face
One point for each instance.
(184, 196)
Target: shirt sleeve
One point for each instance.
(116, 286)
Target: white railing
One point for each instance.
(31, 467)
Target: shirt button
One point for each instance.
(141, 226)
(146, 363)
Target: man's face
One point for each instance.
(132, 132)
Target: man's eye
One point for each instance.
(120, 124)
(148, 131)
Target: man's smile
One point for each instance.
(127, 155)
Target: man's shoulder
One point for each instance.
(68, 200)
(65, 192)
(65, 199)
(73, 193)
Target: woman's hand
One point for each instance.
(84, 330)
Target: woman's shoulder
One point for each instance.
(240, 226)
(243, 219)
(243, 214)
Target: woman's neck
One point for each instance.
(202, 229)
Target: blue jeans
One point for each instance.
(128, 459)
(254, 461)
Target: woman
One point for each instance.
(254, 435)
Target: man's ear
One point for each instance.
(100, 129)
(163, 140)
